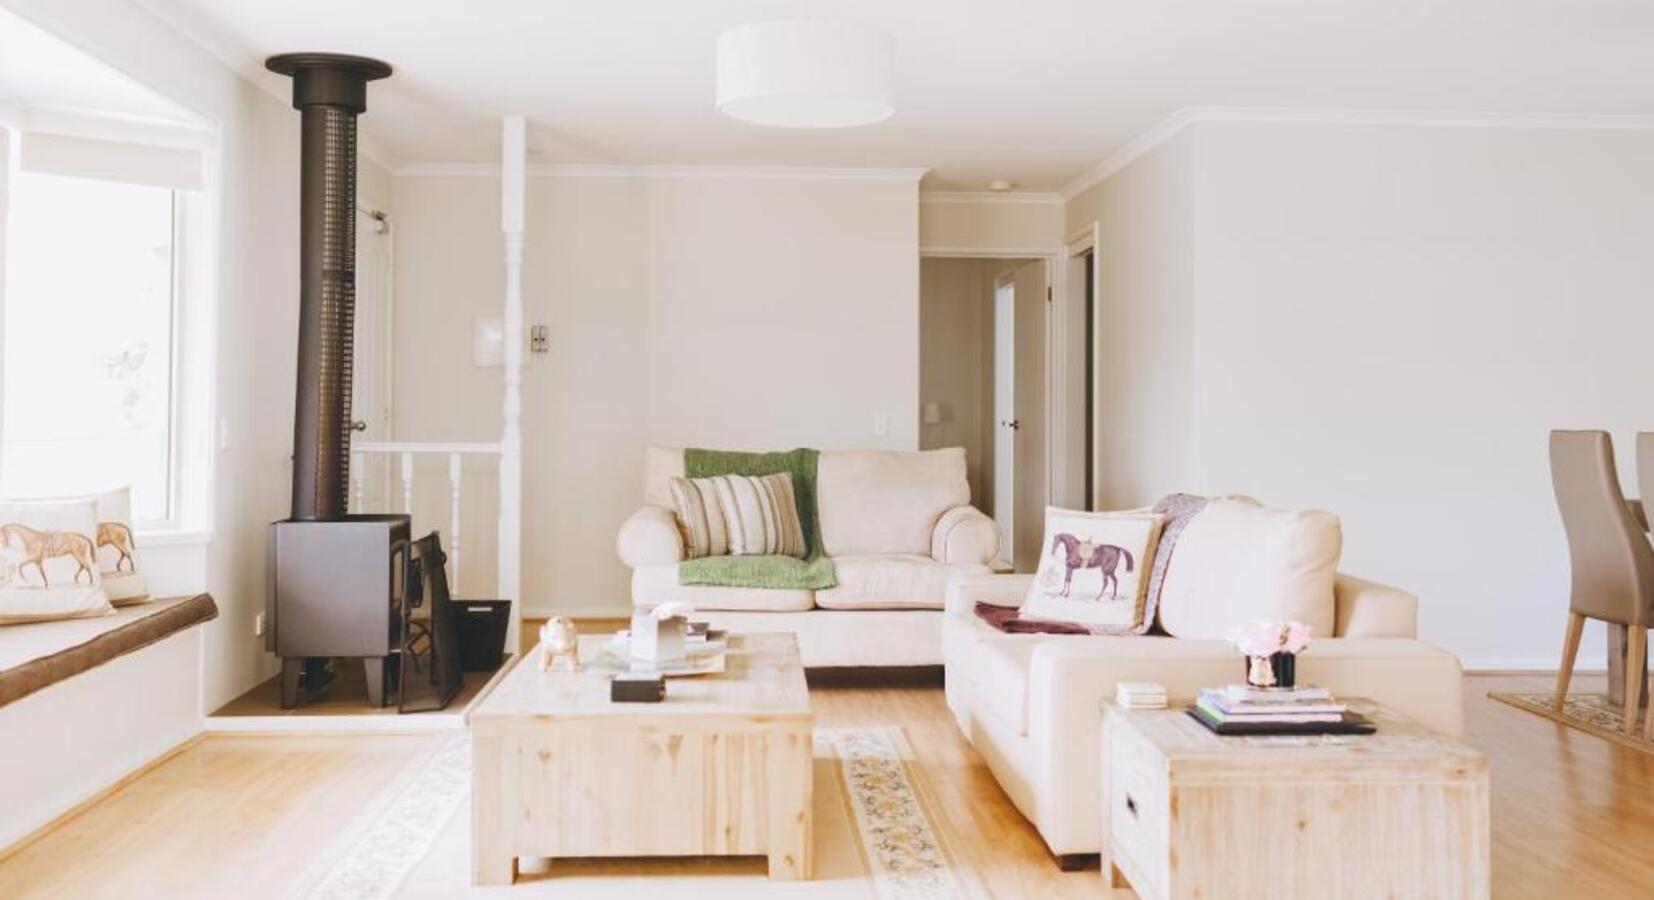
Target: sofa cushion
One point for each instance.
(999, 677)
(738, 515)
(887, 501)
(654, 585)
(1239, 562)
(891, 581)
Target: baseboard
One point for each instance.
(1529, 666)
(62, 818)
(578, 612)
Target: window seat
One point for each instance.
(38, 655)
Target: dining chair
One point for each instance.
(1611, 562)
(1645, 487)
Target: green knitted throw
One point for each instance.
(813, 572)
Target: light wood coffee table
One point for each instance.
(1399, 813)
(720, 767)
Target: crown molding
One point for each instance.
(1169, 127)
(584, 170)
(1009, 198)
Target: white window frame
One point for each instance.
(191, 356)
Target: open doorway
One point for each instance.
(982, 349)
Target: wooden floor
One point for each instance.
(1573, 815)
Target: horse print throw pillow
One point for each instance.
(1093, 569)
(49, 561)
(117, 551)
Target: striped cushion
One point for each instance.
(734, 515)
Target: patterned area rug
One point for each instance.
(874, 839)
(1588, 712)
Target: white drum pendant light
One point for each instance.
(804, 74)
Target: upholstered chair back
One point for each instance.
(1611, 560)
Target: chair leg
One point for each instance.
(1648, 726)
(1570, 649)
(1634, 656)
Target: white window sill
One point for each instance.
(172, 537)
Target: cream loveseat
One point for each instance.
(898, 526)
(1031, 703)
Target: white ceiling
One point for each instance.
(1035, 91)
(40, 74)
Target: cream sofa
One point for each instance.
(1031, 704)
(898, 526)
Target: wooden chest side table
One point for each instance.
(1401, 813)
(722, 766)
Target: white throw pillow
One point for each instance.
(117, 550)
(1093, 569)
(48, 561)
(1239, 562)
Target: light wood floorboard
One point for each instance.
(1573, 815)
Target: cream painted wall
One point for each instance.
(1001, 223)
(1383, 322)
(1144, 327)
(1389, 321)
(736, 312)
(255, 311)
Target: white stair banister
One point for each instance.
(513, 169)
(358, 493)
(454, 473)
(407, 482)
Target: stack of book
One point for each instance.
(1140, 695)
(1239, 709)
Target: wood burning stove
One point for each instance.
(336, 581)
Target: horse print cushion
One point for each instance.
(1093, 570)
(117, 551)
(48, 561)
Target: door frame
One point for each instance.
(1056, 395)
(1088, 239)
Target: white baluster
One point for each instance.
(407, 483)
(454, 471)
(356, 486)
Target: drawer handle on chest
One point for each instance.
(1131, 806)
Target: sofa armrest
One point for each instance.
(965, 535)
(650, 538)
(1365, 608)
(965, 591)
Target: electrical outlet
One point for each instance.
(258, 625)
(881, 425)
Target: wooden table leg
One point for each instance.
(790, 819)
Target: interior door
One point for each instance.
(370, 399)
(1005, 416)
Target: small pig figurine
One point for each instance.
(559, 645)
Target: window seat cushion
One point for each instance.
(38, 655)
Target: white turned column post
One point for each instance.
(407, 483)
(358, 461)
(454, 472)
(513, 165)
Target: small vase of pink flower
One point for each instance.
(1271, 650)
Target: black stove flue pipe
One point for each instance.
(330, 90)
